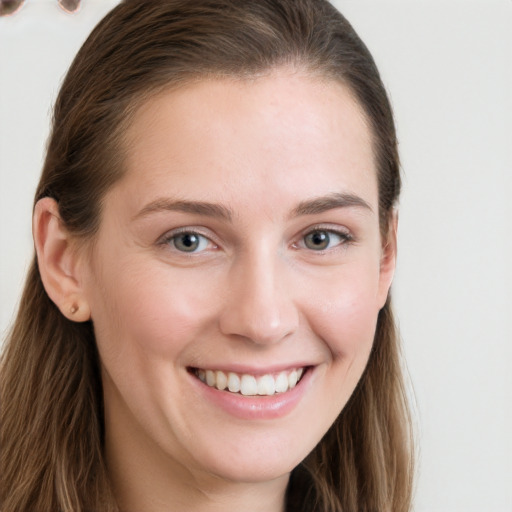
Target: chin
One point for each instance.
(252, 471)
(253, 458)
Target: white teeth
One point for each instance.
(210, 378)
(292, 378)
(249, 385)
(222, 380)
(282, 382)
(266, 385)
(233, 382)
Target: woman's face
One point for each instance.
(241, 249)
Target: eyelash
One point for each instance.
(170, 239)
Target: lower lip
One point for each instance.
(255, 407)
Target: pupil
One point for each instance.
(318, 240)
(187, 242)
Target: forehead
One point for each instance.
(284, 133)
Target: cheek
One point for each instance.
(154, 312)
(343, 316)
(344, 312)
(145, 322)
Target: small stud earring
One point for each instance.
(74, 308)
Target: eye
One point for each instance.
(323, 239)
(188, 241)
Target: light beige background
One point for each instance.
(448, 67)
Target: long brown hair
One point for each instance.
(51, 395)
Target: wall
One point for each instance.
(448, 68)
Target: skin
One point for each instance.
(253, 295)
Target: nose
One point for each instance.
(259, 305)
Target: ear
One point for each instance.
(388, 258)
(58, 261)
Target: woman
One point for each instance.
(207, 323)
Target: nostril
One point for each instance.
(258, 329)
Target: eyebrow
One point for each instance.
(330, 202)
(310, 207)
(196, 207)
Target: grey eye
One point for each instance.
(320, 240)
(189, 242)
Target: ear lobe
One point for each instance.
(57, 261)
(388, 259)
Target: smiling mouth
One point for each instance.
(250, 385)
